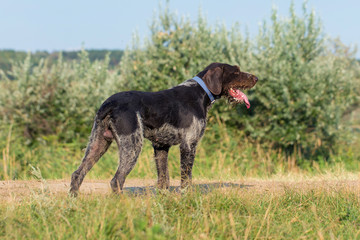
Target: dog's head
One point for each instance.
(227, 80)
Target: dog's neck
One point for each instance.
(205, 100)
(206, 89)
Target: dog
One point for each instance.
(175, 116)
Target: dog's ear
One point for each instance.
(213, 80)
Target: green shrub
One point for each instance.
(303, 90)
(58, 99)
(176, 51)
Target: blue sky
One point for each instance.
(32, 25)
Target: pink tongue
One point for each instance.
(236, 93)
(246, 100)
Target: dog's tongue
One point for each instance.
(239, 95)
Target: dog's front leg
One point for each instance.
(161, 160)
(187, 153)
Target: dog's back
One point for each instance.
(176, 106)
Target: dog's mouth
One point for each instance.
(239, 96)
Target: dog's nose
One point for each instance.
(256, 79)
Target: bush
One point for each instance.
(58, 99)
(303, 90)
(176, 51)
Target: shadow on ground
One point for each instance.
(203, 188)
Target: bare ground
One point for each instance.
(20, 189)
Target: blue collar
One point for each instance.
(202, 84)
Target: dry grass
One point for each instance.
(222, 213)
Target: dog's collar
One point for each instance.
(202, 84)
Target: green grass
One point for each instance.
(222, 154)
(219, 214)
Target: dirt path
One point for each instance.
(17, 190)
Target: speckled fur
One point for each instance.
(175, 116)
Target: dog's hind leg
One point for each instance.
(97, 146)
(129, 150)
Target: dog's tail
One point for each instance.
(105, 110)
(103, 119)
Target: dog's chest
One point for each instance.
(167, 134)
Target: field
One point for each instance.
(249, 194)
(323, 207)
(241, 191)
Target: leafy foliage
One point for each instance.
(61, 98)
(304, 89)
(176, 51)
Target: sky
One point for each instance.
(33, 25)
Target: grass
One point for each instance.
(219, 214)
(232, 157)
(235, 213)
